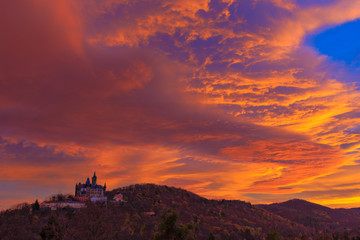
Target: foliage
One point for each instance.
(35, 206)
(273, 236)
(179, 214)
(52, 230)
(211, 236)
(169, 229)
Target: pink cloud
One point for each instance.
(173, 92)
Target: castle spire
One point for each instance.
(93, 179)
(87, 181)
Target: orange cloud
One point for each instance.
(220, 97)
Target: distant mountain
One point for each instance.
(160, 212)
(316, 217)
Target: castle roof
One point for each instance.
(91, 186)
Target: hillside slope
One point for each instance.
(198, 218)
(315, 216)
(222, 218)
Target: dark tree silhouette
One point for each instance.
(211, 236)
(52, 230)
(169, 229)
(273, 236)
(35, 205)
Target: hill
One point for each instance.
(178, 214)
(316, 217)
(224, 218)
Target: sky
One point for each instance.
(256, 100)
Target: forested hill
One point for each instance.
(179, 214)
(317, 217)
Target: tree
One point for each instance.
(211, 236)
(35, 205)
(273, 236)
(169, 229)
(52, 230)
(247, 234)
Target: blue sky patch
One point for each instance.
(340, 43)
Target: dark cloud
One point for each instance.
(352, 114)
(257, 16)
(117, 95)
(307, 3)
(31, 154)
(348, 145)
(287, 90)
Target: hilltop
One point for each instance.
(223, 218)
(315, 216)
(166, 212)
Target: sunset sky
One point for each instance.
(257, 100)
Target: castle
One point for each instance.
(90, 191)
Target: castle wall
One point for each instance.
(61, 204)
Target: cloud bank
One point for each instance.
(221, 97)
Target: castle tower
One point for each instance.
(87, 182)
(93, 179)
(90, 191)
